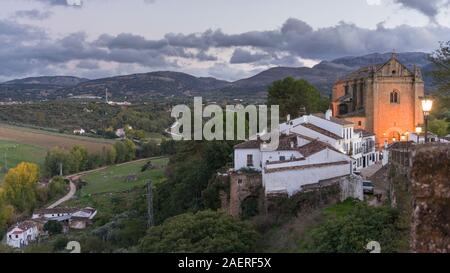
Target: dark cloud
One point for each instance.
(244, 56)
(33, 14)
(429, 8)
(88, 64)
(29, 50)
(70, 3)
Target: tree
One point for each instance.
(130, 150)
(54, 158)
(291, 94)
(53, 227)
(121, 151)
(441, 78)
(441, 73)
(351, 232)
(57, 187)
(150, 149)
(111, 155)
(20, 186)
(80, 158)
(6, 212)
(202, 232)
(439, 127)
(189, 172)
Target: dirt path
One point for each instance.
(74, 177)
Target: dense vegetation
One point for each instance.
(440, 118)
(189, 172)
(202, 232)
(351, 232)
(291, 95)
(96, 118)
(20, 193)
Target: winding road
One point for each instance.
(74, 177)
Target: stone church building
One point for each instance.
(383, 99)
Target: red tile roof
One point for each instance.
(320, 130)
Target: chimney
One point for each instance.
(328, 114)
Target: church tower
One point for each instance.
(383, 99)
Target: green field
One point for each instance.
(12, 153)
(114, 178)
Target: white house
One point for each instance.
(57, 214)
(420, 138)
(339, 133)
(311, 149)
(298, 161)
(120, 132)
(87, 212)
(80, 131)
(22, 234)
(77, 218)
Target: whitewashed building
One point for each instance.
(312, 148)
(339, 133)
(80, 131)
(22, 234)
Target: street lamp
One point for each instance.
(418, 132)
(427, 104)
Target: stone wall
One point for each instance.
(242, 186)
(312, 196)
(430, 181)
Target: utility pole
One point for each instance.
(60, 169)
(151, 221)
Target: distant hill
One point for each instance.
(153, 84)
(324, 74)
(168, 84)
(49, 80)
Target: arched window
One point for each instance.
(395, 97)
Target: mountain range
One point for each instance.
(166, 84)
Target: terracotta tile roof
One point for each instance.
(24, 226)
(250, 144)
(320, 130)
(303, 167)
(313, 148)
(333, 119)
(56, 210)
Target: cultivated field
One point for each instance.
(124, 176)
(12, 153)
(48, 140)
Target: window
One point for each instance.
(249, 160)
(239, 181)
(359, 123)
(282, 158)
(395, 97)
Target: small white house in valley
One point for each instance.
(120, 133)
(54, 213)
(22, 234)
(80, 131)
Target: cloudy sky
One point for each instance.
(227, 39)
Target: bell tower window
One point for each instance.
(395, 97)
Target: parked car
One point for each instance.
(368, 187)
